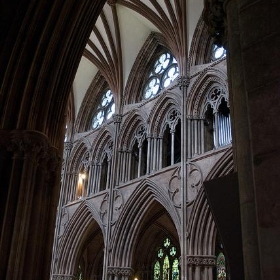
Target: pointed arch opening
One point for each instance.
(157, 249)
(81, 248)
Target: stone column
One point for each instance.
(183, 86)
(30, 180)
(253, 40)
(201, 267)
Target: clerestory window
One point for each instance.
(104, 109)
(217, 52)
(162, 73)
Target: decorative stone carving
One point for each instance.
(118, 203)
(68, 146)
(32, 144)
(201, 260)
(64, 220)
(214, 97)
(104, 209)
(195, 179)
(174, 186)
(117, 118)
(207, 84)
(182, 81)
(120, 271)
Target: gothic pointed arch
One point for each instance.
(84, 226)
(131, 222)
(104, 141)
(77, 153)
(153, 45)
(201, 228)
(70, 117)
(201, 44)
(135, 118)
(207, 79)
(158, 116)
(76, 171)
(101, 161)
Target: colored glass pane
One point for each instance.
(166, 267)
(221, 267)
(175, 269)
(156, 271)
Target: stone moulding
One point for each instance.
(123, 271)
(30, 143)
(201, 260)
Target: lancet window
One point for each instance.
(104, 167)
(104, 109)
(171, 141)
(162, 73)
(82, 183)
(80, 273)
(166, 264)
(217, 126)
(221, 267)
(139, 153)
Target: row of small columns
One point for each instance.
(195, 134)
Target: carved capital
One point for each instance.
(31, 144)
(120, 271)
(117, 118)
(68, 147)
(182, 82)
(201, 260)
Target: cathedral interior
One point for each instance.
(139, 140)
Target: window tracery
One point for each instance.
(139, 153)
(217, 52)
(104, 109)
(161, 75)
(166, 265)
(172, 138)
(217, 119)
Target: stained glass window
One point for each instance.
(162, 74)
(221, 267)
(104, 110)
(175, 270)
(80, 273)
(166, 266)
(156, 270)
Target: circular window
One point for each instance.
(162, 74)
(217, 52)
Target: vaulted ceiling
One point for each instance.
(121, 30)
